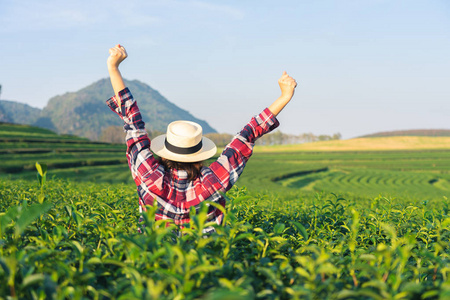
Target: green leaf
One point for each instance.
(41, 198)
(360, 294)
(113, 262)
(430, 294)
(223, 294)
(279, 228)
(412, 287)
(94, 261)
(29, 214)
(327, 268)
(68, 210)
(368, 257)
(5, 219)
(302, 272)
(445, 223)
(346, 294)
(32, 279)
(42, 169)
(76, 217)
(301, 230)
(78, 247)
(264, 294)
(5, 267)
(242, 236)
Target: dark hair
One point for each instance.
(193, 169)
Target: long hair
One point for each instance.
(193, 169)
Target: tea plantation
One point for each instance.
(307, 225)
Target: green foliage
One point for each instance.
(82, 243)
(14, 112)
(41, 176)
(42, 173)
(284, 238)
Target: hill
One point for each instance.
(366, 144)
(413, 132)
(18, 113)
(84, 112)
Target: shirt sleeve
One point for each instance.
(143, 165)
(230, 164)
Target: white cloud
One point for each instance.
(17, 16)
(33, 16)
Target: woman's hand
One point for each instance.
(287, 86)
(116, 55)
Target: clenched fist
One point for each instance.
(116, 55)
(287, 85)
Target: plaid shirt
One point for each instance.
(174, 193)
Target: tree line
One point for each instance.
(280, 138)
(276, 138)
(115, 134)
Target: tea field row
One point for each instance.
(416, 174)
(420, 174)
(81, 242)
(22, 146)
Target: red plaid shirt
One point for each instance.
(174, 193)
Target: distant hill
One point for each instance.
(18, 113)
(84, 113)
(413, 132)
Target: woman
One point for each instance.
(178, 180)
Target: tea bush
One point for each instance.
(81, 241)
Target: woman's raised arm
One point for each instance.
(116, 55)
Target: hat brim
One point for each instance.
(208, 150)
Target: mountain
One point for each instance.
(412, 132)
(84, 113)
(19, 113)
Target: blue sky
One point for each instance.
(362, 66)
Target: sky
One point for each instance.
(361, 66)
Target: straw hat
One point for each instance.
(183, 142)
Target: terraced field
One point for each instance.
(419, 174)
(22, 146)
(287, 171)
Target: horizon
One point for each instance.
(362, 68)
